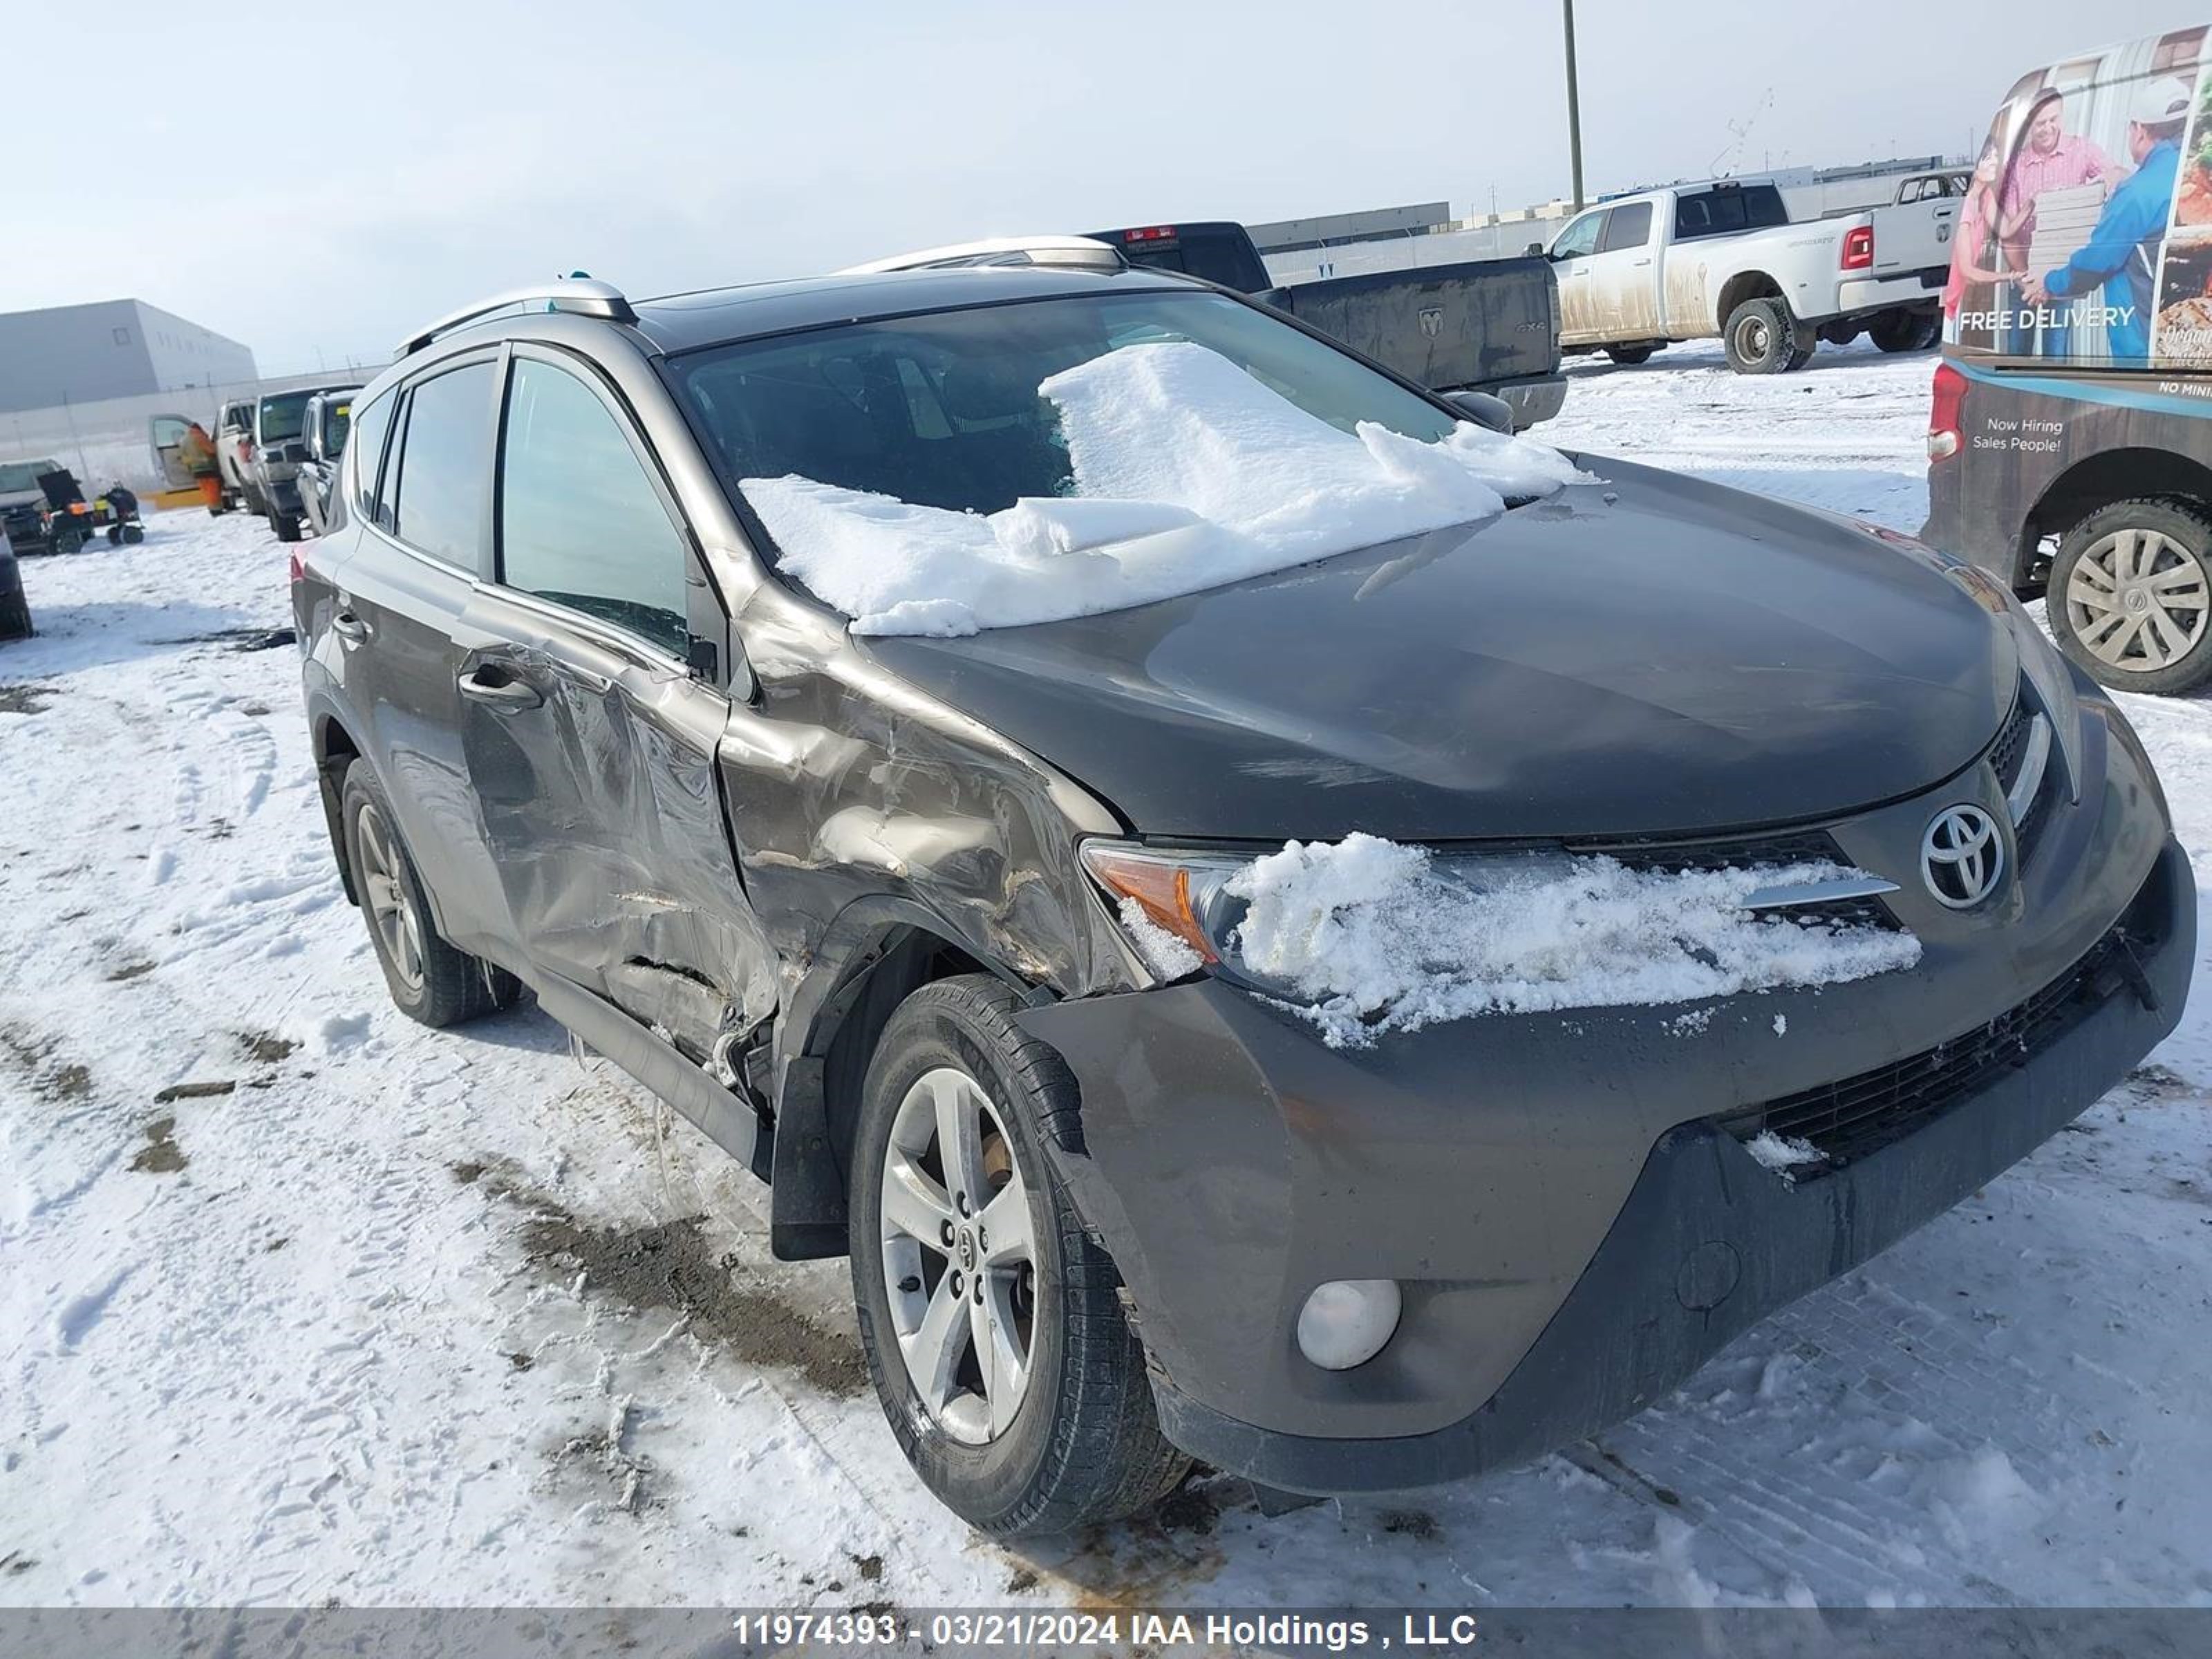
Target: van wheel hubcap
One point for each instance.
(2137, 600)
(391, 910)
(959, 1263)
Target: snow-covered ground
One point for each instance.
(369, 1314)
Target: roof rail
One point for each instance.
(1060, 253)
(580, 295)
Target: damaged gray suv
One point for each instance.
(1274, 925)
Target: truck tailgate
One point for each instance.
(1471, 324)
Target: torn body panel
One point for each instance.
(603, 812)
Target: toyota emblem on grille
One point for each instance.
(1962, 856)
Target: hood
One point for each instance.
(1650, 655)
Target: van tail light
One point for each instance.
(1945, 412)
(297, 570)
(1858, 248)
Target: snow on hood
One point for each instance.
(1379, 937)
(1188, 473)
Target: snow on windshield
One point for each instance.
(1381, 937)
(1188, 473)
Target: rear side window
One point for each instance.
(580, 523)
(367, 448)
(444, 467)
(1628, 227)
(1718, 212)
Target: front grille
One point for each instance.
(1851, 1119)
(2011, 747)
(1802, 847)
(1769, 852)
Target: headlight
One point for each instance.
(1174, 905)
(1186, 909)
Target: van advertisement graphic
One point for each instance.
(2086, 235)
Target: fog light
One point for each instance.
(1345, 1321)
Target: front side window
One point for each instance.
(444, 467)
(1579, 238)
(580, 522)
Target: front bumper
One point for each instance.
(1537, 398)
(1572, 1231)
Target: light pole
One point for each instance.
(1574, 108)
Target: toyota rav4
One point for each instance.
(1272, 924)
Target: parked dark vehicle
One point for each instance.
(322, 439)
(2069, 438)
(24, 503)
(279, 452)
(1488, 325)
(876, 912)
(15, 603)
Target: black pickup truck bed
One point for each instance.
(1490, 324)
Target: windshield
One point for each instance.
(944, 411)
(934, 474)
(281, 416)
(337, 421)
(17, 477)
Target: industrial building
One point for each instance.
(111, 348)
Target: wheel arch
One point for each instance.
(876, 953)
(1745, 285)
(335, 750)
(2100, 481)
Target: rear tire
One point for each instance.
(1906, 330)
(1629, 355)
(429, 979)
(16, 616)
(2131, 597)
(1078, 1441)
(1761, 338)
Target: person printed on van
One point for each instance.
(2050, 159)
(1980, 274)
(2119, 252)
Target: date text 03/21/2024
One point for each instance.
(1416, 1631)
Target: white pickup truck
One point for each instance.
(1726, 259)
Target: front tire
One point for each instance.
(287, 528)
(1761, 337)
(429, 979)
(2131, 595)
(993, 1324)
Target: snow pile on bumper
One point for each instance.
(1371, 937)
(1188, 473)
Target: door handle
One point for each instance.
(1643, 262)
(488, 683)
(349, 627)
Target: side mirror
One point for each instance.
(1483, 409)
(1538, 251)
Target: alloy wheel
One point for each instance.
(2138, 600)
(391, 909)
(959, 1260)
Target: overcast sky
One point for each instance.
(316, 178)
